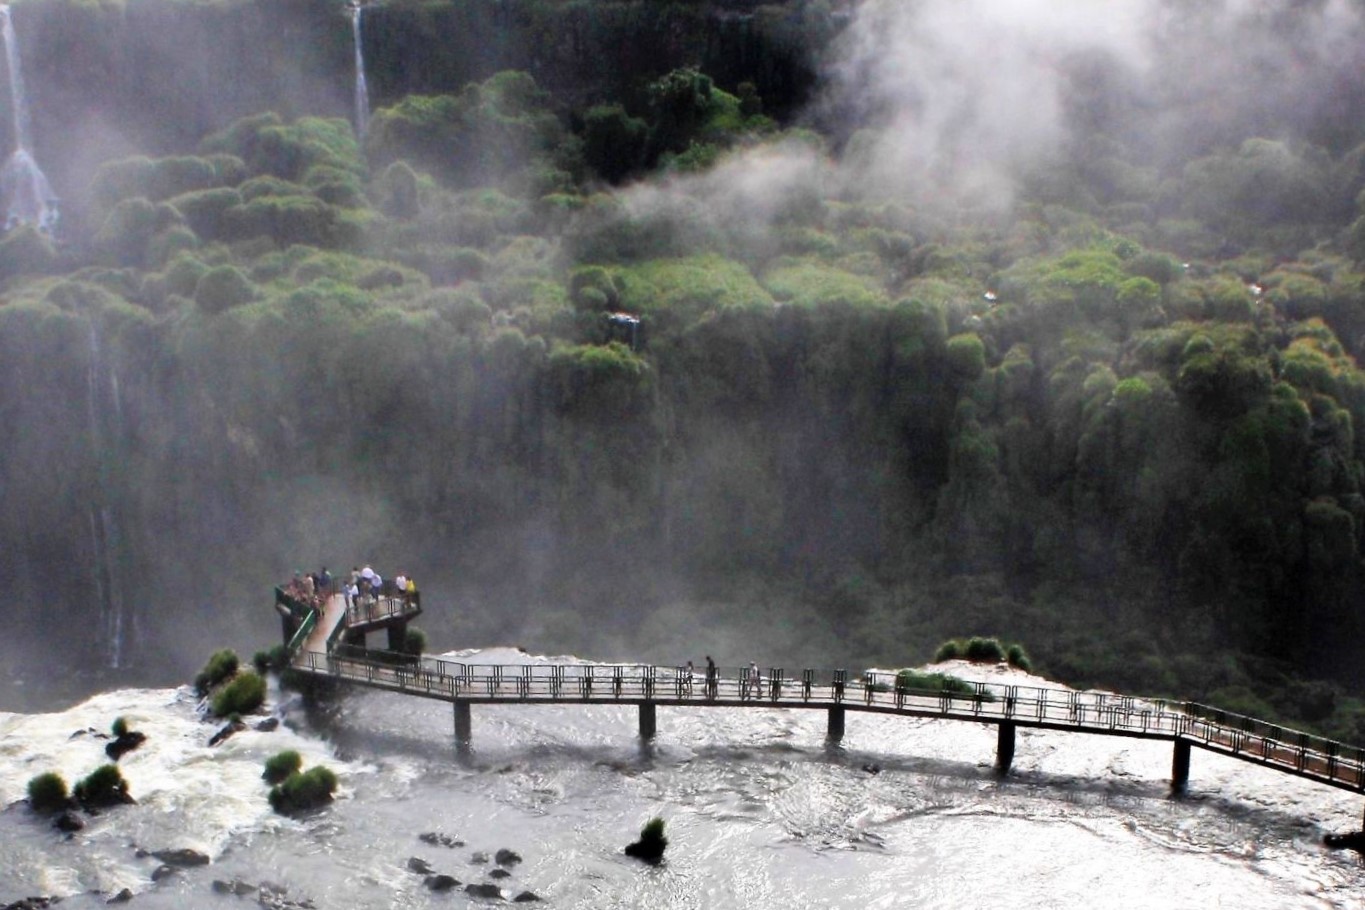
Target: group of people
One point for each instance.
(751, 679)
(361, 587)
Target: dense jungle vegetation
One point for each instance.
(606, 333)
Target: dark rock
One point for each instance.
(507, 857)
(124, 744)
(478, 858)
(499, 874)
(32, 903)
(526, 897)
(162, 871)
(436, 839)
(269, 725)
(1354, 840)
(229, 728)
(419, 865)
(69, 822)
(184, 858)
(441, 882)
(235, 887)
(872, 769)
(122, 897)
(483, 890)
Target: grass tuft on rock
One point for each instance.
(103, 787)
(48, 793)
(243, 695)
(302, 791)
(281, 765)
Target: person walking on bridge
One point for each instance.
(710, 677)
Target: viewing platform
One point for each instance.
(328, 641)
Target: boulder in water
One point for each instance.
(437, 839)
(650, 847)
(526, 897)
(236, 887)
(122, 897)
(419, 865)
(499, 874)
(32, 903)
(68, 822)
(269, 725)
(162, 871)
(478, 858)
(1353, 840)
(483, 890)
(229, 728)
(183, 858)
(441, 882)
(126, 743)
(505, 857)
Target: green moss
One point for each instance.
(47, 793)
(300, 792)
(221, 288)
(221, 665)
(103, 787)
(809, 283)
(280, 766)
(244, 694)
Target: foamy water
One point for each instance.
(760, 813)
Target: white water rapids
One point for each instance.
(759, 812)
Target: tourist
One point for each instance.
(756, 679)
(711, 684)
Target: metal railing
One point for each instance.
(364, 608)
(1028, 706)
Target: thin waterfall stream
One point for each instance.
(362, 94)
(26, 193)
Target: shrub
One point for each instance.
(276, 660)
(907, 680)
(949, 650)
(104, 786)
(120, 727)
(243, 695)
(415, 642)
(47, 792)
(281, 766)
(223, 287)
(650, 847)
(302, 791)
(984, 650)
(1017, 658)
(222, 664)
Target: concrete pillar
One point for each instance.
(398, 635)
(463, 727)
(1180, 766)
(1004, 747)
(648, 723)
(836, 724)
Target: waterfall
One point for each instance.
(103, 527)
(26, 194)
(362, 92)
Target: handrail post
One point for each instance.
(807, 680)
(840, 678)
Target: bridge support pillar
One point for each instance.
(1004, 747)
(648, 723)
(1180, 766)
(398, 636)
(836, 724)
(464, 733)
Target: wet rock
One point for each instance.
(235, 887)
(478, 858)
(183, 858)
(269, 725)
(124, 744)
(507, 857)
(1353, 840)
(441, 882)
(483, 890)
(436, 839)
(229, 728)
(526, 897)
(419, 865)
(162, 871)
(69, 822)
(872, 768)
(122, 897)
(32, 903)
(499, 874)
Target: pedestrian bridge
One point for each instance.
(328, 641)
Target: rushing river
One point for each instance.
(760, 813)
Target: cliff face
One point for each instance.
(155, 76)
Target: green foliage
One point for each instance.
(276, 660)
(281, 766)
(966, 356)
(47, 792)
(221, 288)
(26, 251)
(242, 695)
(103, 787)
(913, 681)
(414, 642)
(120, 727)
(652, 843)
(809, 283)
(303, 791)
(221, 665)
(268, 145)
(1017, 657)
(613, 141)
